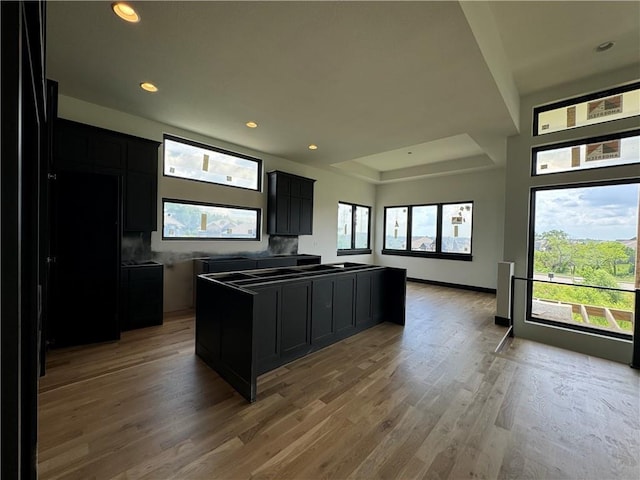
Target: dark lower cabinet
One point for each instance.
(322, 323)
(344, 288)
(247, 326)
(267, 328)
(141, 296)
(369, 298)
(295, 309)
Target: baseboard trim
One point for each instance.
(453, 285)
(502, 321)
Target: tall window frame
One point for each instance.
(556, 281)
(351, 227)
(209, 151)
(435, 249)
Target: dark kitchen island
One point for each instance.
(253, 321)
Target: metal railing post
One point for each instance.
(635, 357)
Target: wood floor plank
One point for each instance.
(430, 400)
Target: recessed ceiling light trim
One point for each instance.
(604, 46)
(251, 124)
(149, 87)
(125, 11)
(313, 146)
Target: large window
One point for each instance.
(442, 230)
(195, 161)
(614, 104)
(184, 220)
(584, 256)
(354, 226)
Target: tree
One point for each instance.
(613, 253)
(556, 252)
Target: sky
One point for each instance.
(598, 213)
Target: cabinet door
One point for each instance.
(144, 297)
(306, 216)
(140, 202)
(85, 282)
(343, 297)
(142, 157)
(295, 318)
(295, 211)
(107, 151)
(363, 299)
(283, 207)
(266, 328)
(70, 147)
(377, 296)
(322, 310)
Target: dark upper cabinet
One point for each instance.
(84, 148)
(107, 151)
(290, 204)
(140, 200)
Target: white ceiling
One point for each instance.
(367, 82)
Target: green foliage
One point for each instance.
(584, 296)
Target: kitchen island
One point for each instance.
(249, 322)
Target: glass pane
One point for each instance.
(199, 163)
(599, 110)
(597, 247)
(424, 228)
(617, 151)
(456, 227)
(395, 229)
(344, 226)
(362, 227)
(185, 220)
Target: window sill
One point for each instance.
(355, 251)
(442, 256)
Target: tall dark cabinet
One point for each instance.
(85, 274)
(289, 204)
(84, 148)
(105, 184)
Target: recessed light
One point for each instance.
(313, 147)
(125, 12)
(409, 153)
(251, 124)
(149, 87)
(604, 46)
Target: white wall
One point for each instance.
(486, 189)
(329, 189)
(518, 187)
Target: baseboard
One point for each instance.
(453, 285)
(502, 321)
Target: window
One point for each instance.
(612, 150)
(440, 230)
(354, 225)
(184, 220)
(601, 107)
(583, 270)
(195, 161)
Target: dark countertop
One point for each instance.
(248, 278)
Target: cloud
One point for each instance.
(606, 212)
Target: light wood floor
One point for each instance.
(431, 400)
